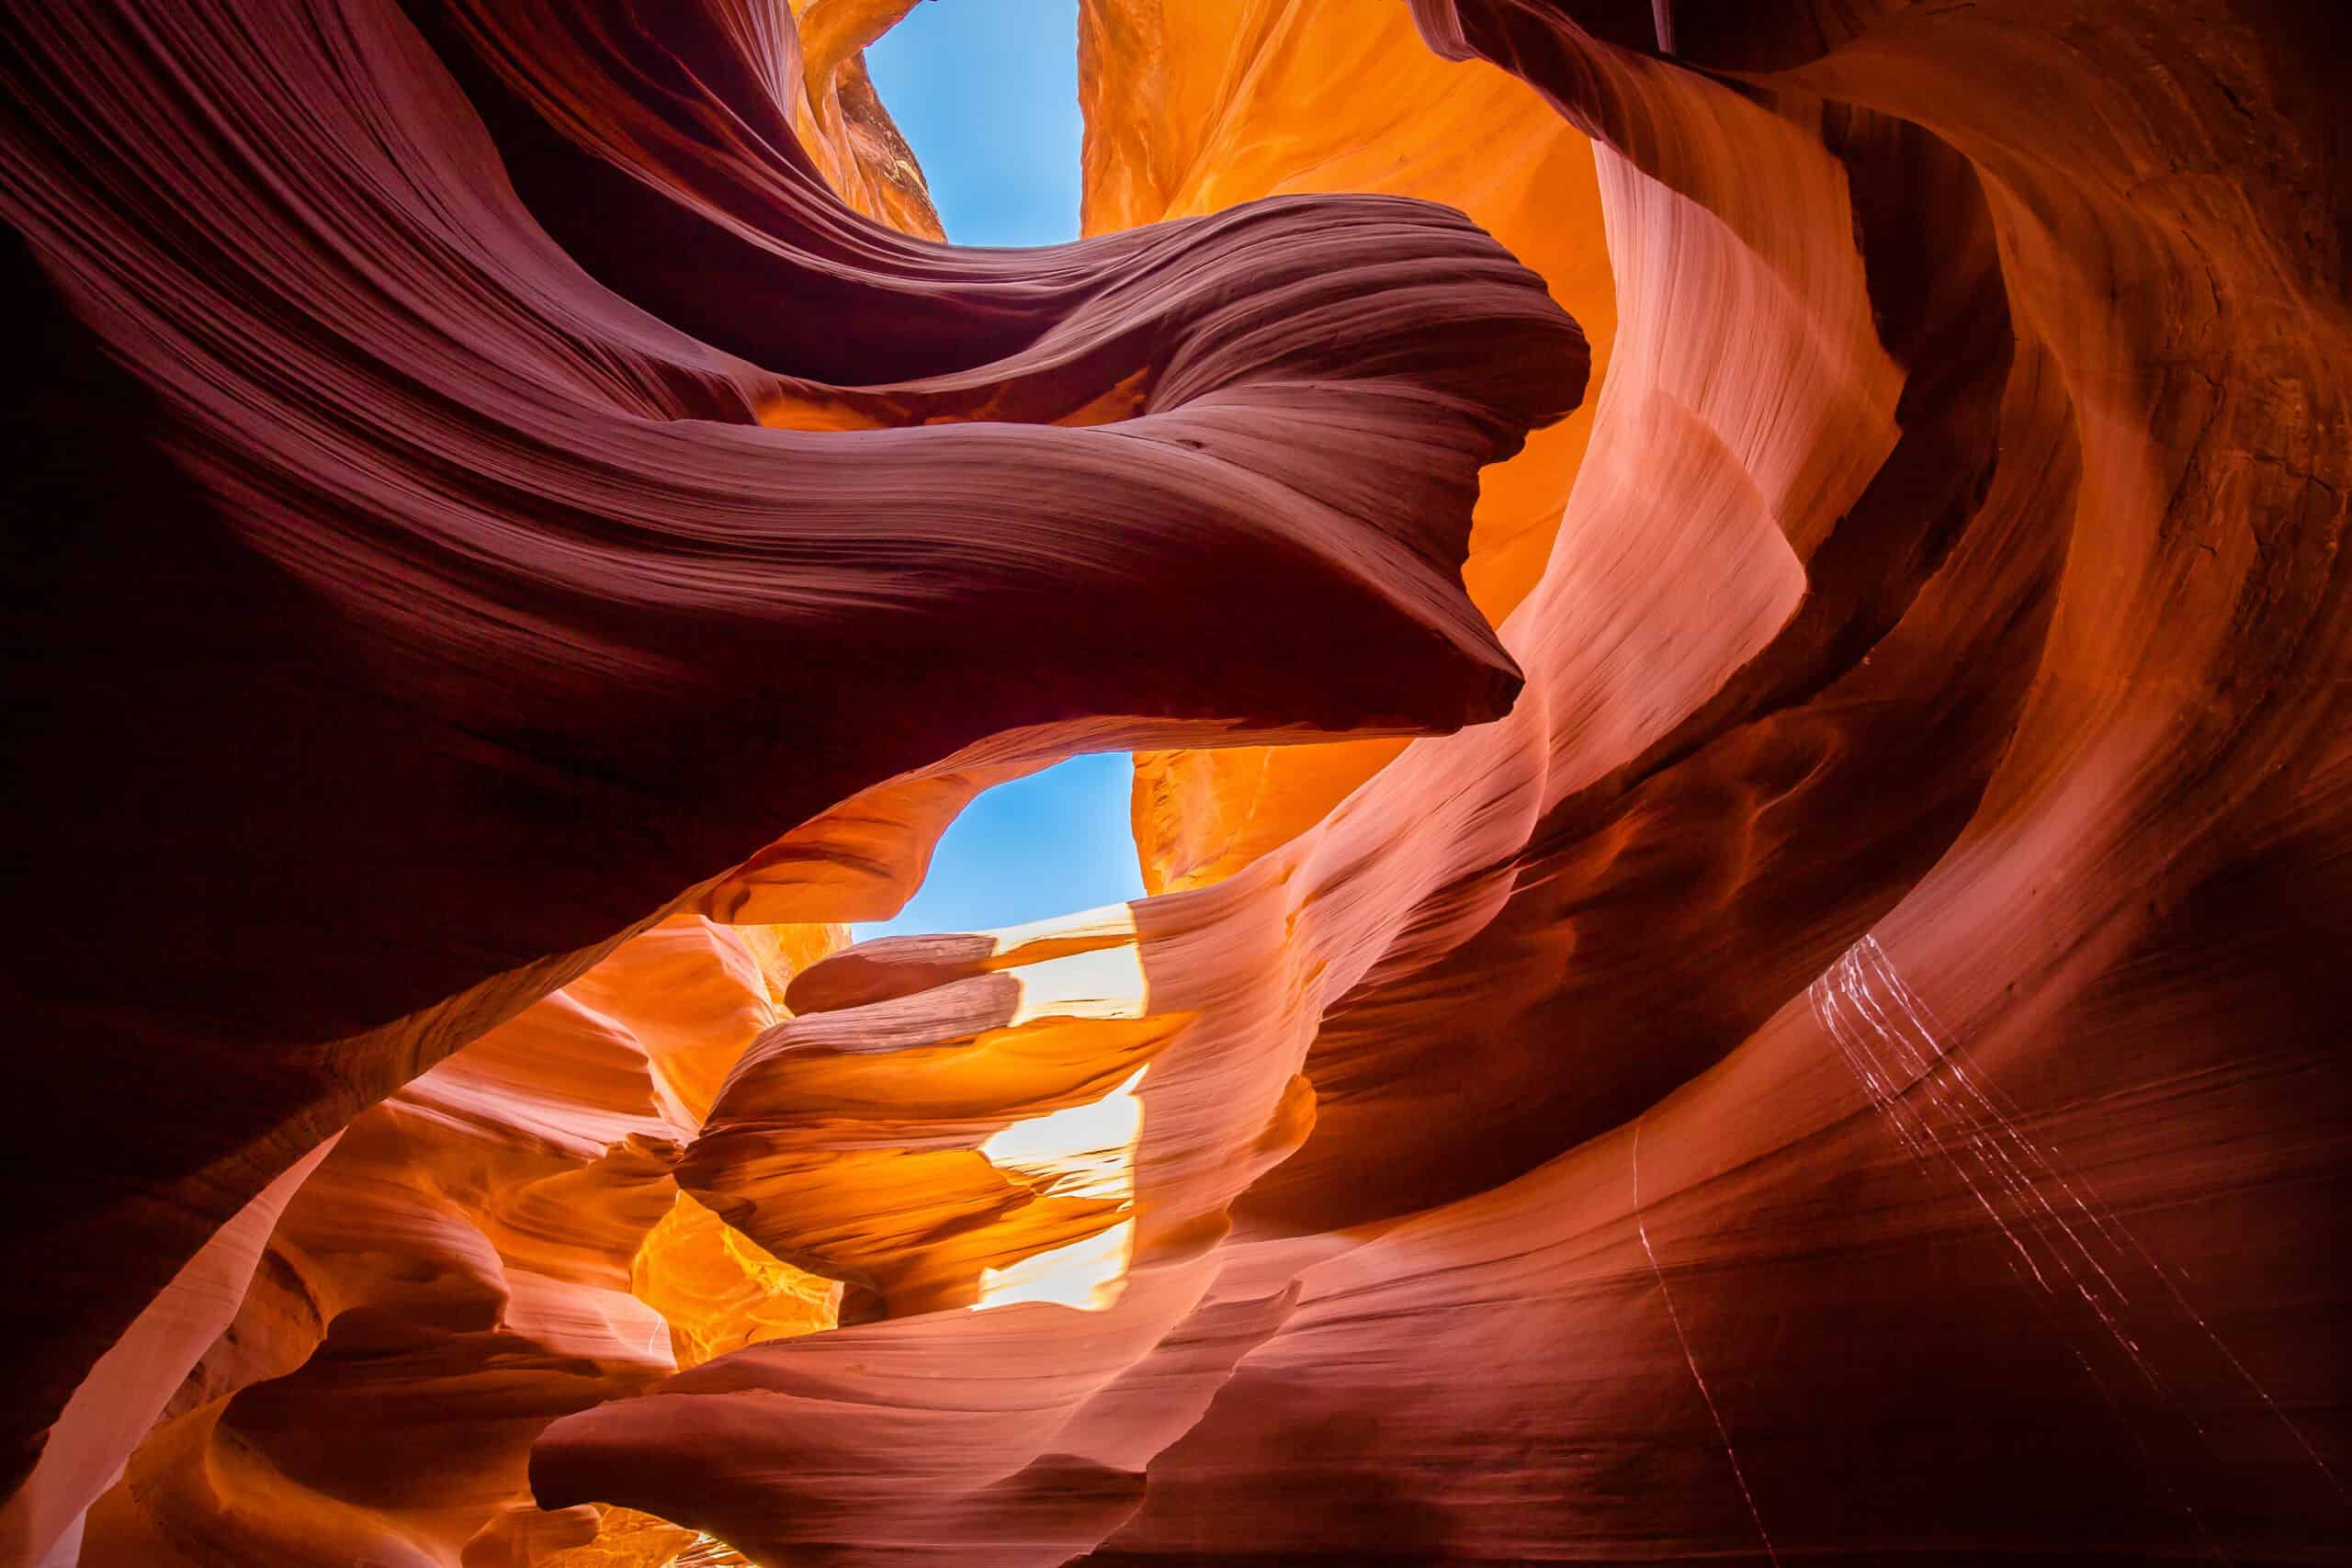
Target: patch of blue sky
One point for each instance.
(1050, 844)
(986, 93)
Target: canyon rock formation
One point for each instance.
(1737, 618)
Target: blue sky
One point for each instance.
(986, 91)
(1048, 844)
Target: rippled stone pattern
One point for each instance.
(500, 487)
(1825, 1049)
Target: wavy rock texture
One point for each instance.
(427, 608)
(497, 1244)
(1842, 1069)
(1834, 1073)
(1192, 108)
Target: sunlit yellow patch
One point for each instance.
(1084, 1152)
(720, 1290)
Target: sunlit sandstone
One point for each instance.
(1080, 1151)
(1821, 1050)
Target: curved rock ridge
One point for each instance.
(840, 121)
(1192, 108)
(420, 605)
(497, 1244)
(1844, 1070)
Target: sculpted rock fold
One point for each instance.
(498, 1243)
(1839, 1070)
(425, 609)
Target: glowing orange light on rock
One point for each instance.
(1085, 1151)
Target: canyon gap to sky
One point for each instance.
(986, 92)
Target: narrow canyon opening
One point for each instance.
(987, 95)
(1052, 843)
(987, 99)
(1585, 799)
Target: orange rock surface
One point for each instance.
(1610, 1077)
(1825, 1048)
(1193, 108)
(840, 119)
(500, 586)
(497, 1244)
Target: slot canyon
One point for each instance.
(1732, 619)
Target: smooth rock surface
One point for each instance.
(425, 607)
(1826, 1048)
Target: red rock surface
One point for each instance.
(426, 611)
(498, 1243)
(1845, 1069)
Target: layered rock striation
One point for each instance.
(423, 609)
(1822, 1049)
